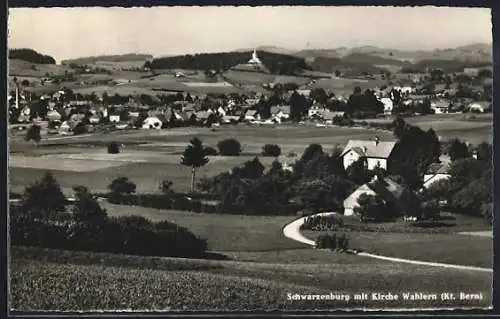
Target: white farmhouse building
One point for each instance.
(376, 153)
(388, 105)
(436, 172)
(152, 122)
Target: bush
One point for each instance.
(166, 187)
(33, 133)
(271, 150)
(229, 147)
(113, 148)
(210, 151)
(332, 242)
(121, 186)
(125, 235)
(43, 198)
(80, 128)
(329, 222)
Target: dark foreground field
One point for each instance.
(56, 280)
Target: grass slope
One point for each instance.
(55, 280)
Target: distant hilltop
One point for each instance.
(109, 58)
(478, 52)
(30, 55)
(353, 61)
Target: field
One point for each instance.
(225, 233)
(344, 86)
(442, 248)
(151, 156)
(96, 169)
(44, 279)
(23, 68)
(447, 126)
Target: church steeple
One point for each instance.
(255, 59)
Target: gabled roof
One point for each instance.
(275, 110)
(250, 113)
(285, 109)
(203, 114)
(438, 168)
(382, 149)
(329, 115)
(388, 189)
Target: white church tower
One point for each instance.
(255, 59)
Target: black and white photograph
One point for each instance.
(238, 158)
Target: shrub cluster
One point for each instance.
(229, 147)
(271, 150)
(198, 204)
(113, 148)
(125, 235)
(323, 223)
(37, 221)
(332, 241)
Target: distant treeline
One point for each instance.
(326, 64)
(359, 63)
(275, 63)
(449, 65)
(109, 58)
(30, 55)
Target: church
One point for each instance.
(253, 65)
(255, 59)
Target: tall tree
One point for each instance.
(194, 156)
(44, 197)
(458, 150)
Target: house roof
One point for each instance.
(440, 104)
(285, 109)
(275, 109)
(382, 149)
(329, 115)
(203, 114)
(250, 113)
(438, 168)
(388, 189)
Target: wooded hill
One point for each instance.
(275, 63)
(109, 58)
(31, 56)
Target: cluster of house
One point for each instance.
(440, 100)
(377, 153)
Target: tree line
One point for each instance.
(30, 55)
(220, 62)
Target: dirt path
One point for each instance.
(292, 231)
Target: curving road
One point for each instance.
(292, 231)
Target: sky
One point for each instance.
(76, 32)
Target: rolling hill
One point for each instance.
(30, 55)
(109, 58)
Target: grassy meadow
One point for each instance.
(56, 280)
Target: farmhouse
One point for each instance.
(388, 104)
(280, 112)
(328, 116)
(440, 107)
(479, 107)
(375, 153)
(252, 115)
(436, 172)
(315, 110)
(390, 191)
(53, 115)
(152, 122)
(115, 118)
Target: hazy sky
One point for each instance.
(72, 32)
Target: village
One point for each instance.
(63, 110)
